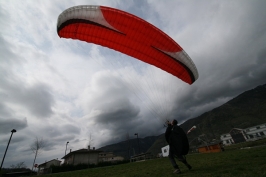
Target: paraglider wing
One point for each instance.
(192, 128)
(128, 34)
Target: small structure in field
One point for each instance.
(211, 147)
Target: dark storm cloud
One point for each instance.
(60, 134)
(18, 137)
(71, 129)
(222, 86)
(49, 145)
(4, 110)
(35, 98)
(203, 97)
(121, 112)
(63, 130)
(38, 100)
(126, 129)
(117, 115)
(231, 58)
(112, 100)
(8, 124)
(119, 121)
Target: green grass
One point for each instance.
(247, 144)
(244, 163)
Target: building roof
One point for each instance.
(81, 151)
(49, 161)
(256, 126)
(225, 134)
(235, 130)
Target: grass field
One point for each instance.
(249, 162)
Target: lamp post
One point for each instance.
(12, 131)
(66, 147)
(138, 141)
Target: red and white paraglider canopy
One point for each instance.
(128, 34)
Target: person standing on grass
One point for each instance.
(178, 144)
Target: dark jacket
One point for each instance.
(177, 140)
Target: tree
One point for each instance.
(18, 165)
(36, 147)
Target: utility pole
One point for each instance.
(138, 141)
(66, 148)
(12, 131)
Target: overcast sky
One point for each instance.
(64, 90)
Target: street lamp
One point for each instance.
(66, 147)
(12, 131)
(138, 141)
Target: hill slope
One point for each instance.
(130, 147)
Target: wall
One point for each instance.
(53, 162)
(91, 158)
(227, 139)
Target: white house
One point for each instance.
(237, 135)
(82, 156)
(256, 132)
(227, 139)
(90, 156)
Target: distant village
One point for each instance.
(81, 156)
(94, 156)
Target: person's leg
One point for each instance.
(173, 162)
(183, 160)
